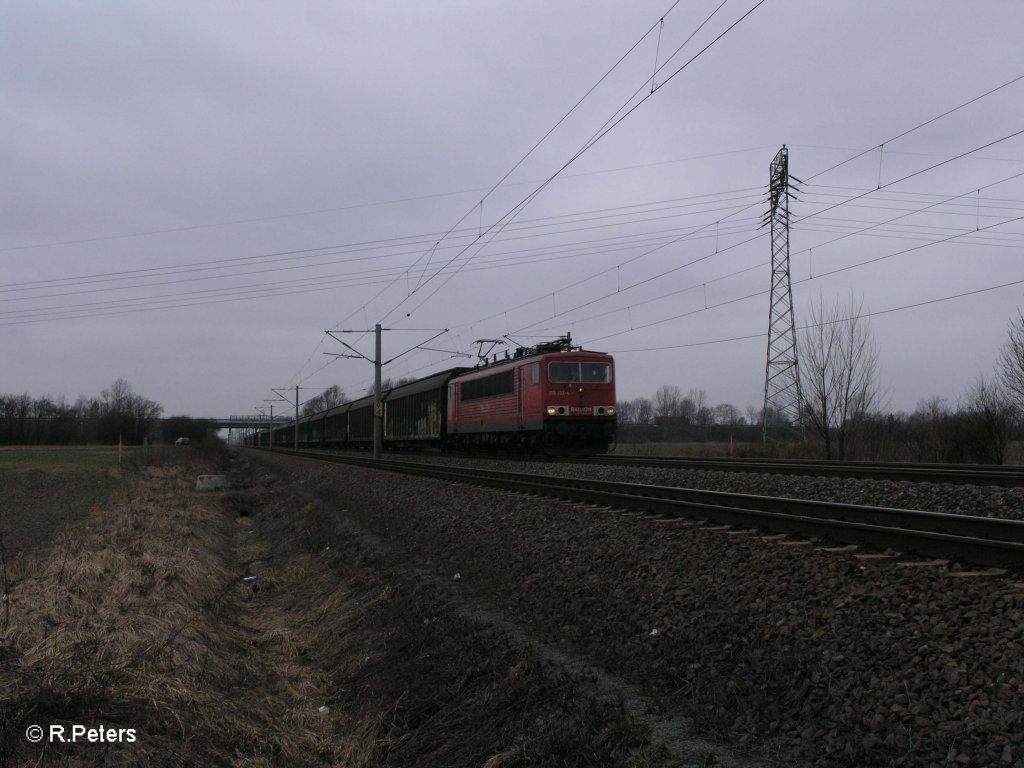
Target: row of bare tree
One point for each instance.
(843, 398)
(330, 397)
(117, 413)
(843, 401)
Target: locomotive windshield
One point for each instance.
(577, 373)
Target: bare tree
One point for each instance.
(626, 411)
(990, 420)
(668, 401)
(388, 383)
(644, 410)
(1011, 362)
(636, 411)
(753, 415)
(931, 430)
(838, 373)
(727, 413)
(330, 397)
(693, 407)
(124, 414)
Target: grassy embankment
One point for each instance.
(136, 608)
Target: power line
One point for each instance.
(880, 186)
(358, 206)
(530, 152)
(917, 127)
(915, 173)
(354, 247)
(890, 310)
(901, 135)
(804, 280)
(812, 215)
(602, 132)
(303, 285)
(515, 210)
(663, 274)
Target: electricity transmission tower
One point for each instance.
(782, 400)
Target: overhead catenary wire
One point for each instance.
(890, 310)
(619, 268)
(819, 276)
(474, 190)
(919, 126)
(551, 130)
(916, 173)
(615, 242)
(952, 238)
(516, 209)
(832, 207)
(895, 138)
(601, 133)
(363, 245)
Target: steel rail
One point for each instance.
(980, 540)
(961, 474)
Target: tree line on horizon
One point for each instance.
(117, 413)
(843, 412)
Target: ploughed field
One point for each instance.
(767, 647)
(43, 489)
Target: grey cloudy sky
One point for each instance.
(192, 193)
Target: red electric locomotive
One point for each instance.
(552, 398)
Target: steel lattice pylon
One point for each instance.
(782, 398)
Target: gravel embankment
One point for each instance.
(796, 654)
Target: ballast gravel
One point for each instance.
(772, 645)
(981, 500)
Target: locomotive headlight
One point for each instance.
(552, 410)
(610, 410)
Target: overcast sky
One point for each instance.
(193, 193)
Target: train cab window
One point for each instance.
(563, 373)
(595, 373)
(575, 373)
(535, 373)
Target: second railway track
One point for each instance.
(961, 474)
(963, 538)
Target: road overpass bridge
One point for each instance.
(253, 421)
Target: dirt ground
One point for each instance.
(45, 489)
(148, 624)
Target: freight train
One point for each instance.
(551, 398)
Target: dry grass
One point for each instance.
(142, 619)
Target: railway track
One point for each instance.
(962, 538)
(963, 474)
